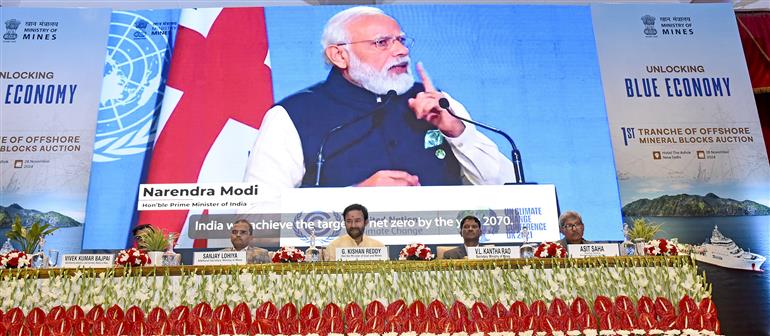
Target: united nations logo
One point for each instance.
(10, 30)
(649, 25)
(326, 226)
(132, 89)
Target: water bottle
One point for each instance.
(170, 257)
(7, 247)
(526, 250)
(312, 254)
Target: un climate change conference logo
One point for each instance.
(132, 90)
(324, 225)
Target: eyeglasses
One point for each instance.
(573, 227)
(385, 43)
(355, 221)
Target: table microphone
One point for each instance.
(518, 167)
(320, 161)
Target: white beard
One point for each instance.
(380, 82)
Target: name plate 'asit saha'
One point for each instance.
(593, 250)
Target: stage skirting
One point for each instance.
(635, 294)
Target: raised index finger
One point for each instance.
(425, 78)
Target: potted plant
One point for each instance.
(641, 232)
(643, 229)
(28, 239)
(155, 242)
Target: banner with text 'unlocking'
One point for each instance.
(684, 125)
(679, 102)
(49, 89)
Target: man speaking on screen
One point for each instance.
(369, 123)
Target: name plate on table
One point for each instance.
(220, 258)
(593, 250)
(361, 253)
(87, 261)
(493, 252)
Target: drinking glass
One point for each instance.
(53, 258)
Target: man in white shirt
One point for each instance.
(405, 139)
(356, 218)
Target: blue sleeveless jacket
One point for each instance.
(391, 139)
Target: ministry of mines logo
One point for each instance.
(10, 30)
(649, 25)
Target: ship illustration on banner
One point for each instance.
(722, 251)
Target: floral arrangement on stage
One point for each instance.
(15, 259)
(416, 251)
(660, 247)
(154, 240)
(29, 238)
(603, 316)
(550, 250)
(481, 287)
(643, 229)
(132, 257)
(288, 255)
(486, 281)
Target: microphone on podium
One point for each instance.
(518, 167)
(320, 157)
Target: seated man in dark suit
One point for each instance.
(241, 237)
(571, 226)
(470, 230)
